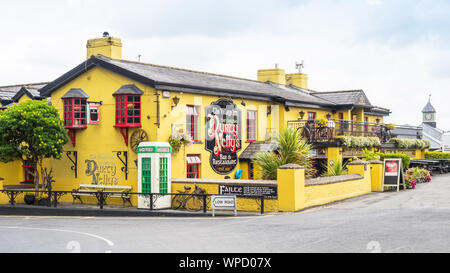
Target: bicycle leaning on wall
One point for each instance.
(189, 201)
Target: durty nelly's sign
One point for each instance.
(223, 135)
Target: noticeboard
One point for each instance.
(392, 173)
(269, 192)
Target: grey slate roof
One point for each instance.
(9, 91)
(182, 80)
(345, 97)
(4, 95)
(428, 108)
(257, 146)
(169, 77)
(407, 131)
(75, 93)
(128, 89)
(31, 93)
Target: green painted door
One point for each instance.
(146, 175)
(163, 175)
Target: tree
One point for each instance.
(291, 149)
(32, 131)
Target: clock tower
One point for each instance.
(429, 114)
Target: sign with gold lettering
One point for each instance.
(102, 169)
(223, 135)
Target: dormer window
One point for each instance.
(128, 106)
(75, 109)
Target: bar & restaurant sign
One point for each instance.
(223, 135)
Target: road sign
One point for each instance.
(223, 202)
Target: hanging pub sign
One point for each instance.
(223, 135)
(393, 174)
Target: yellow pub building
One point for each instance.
(215, 123)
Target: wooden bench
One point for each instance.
(107, 190)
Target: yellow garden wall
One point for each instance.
(212, 187)
(294, 193)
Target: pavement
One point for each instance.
(85, 210)
(408, 221)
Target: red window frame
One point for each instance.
(192, 122)
(311, 115)
(193, 169)
(128, 110)
(75, 113)
(26, 176)
(251, 125)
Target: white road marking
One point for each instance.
(315, 242)
(63, 230)
(394, 249)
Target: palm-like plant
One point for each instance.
(291, 149)
(338, 168)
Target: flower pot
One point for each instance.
(29, 199)
(44, 202)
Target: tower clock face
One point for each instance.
(428, 116)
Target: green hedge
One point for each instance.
(405, 158)
(437, 155)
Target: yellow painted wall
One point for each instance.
(323, 194)
(291, 188)
(297, 79)
(12, 172)
(23, 98)
(376, 173)
(98, 142)
(275, 75)
(110, 47)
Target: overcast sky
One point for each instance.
(397, 51)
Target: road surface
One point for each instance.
(408, 221)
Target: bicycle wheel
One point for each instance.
(193, 203)
(177, 201)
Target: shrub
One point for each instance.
(321, 122)
(360, 142)
(369, 155)
(405, 158)
(421, 175)
(437, 155)
(410, 181)
(338, 168)
(405, 143)
(291, 149)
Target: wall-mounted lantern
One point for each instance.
(377, 120)
(175, 100)
(301, 114)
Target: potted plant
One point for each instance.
(390, 126)
(29, 198)
(410, 181)
(44, 200)
(178, 140)
(321, 123)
